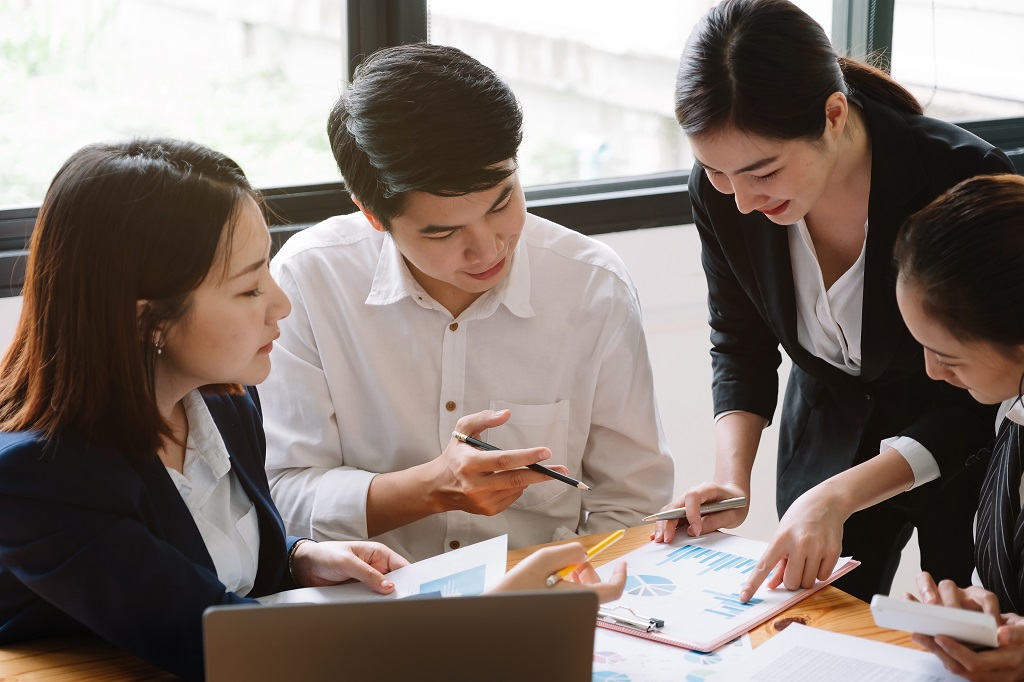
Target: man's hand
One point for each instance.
(480, 481)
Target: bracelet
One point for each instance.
(291, 557)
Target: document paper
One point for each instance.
(619, 657)
(465, 572)
(803, 654)
(693, 585)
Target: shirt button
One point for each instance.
(454, 544)
(453, 326)
(450, 406)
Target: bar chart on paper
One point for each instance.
(729, 605)
(710, 560)
(694, 584)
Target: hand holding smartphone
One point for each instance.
(970, 627)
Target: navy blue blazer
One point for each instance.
(832, 420)
(96, 539)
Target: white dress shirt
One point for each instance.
(829, 324)
(371, 374)
(223, 512)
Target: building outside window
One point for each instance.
(254, 79)
(595, 78)
(961, 58)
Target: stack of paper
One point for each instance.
(803, 654)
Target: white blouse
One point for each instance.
(225, 515)
(828, 321)
(829, 324)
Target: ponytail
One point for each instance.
(877, 85)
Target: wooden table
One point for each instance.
(78, 658)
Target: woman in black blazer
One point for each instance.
(132, 487)
(807, 164)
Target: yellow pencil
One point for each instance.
(591, 553)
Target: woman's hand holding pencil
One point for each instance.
(564, 573)
(533, 572)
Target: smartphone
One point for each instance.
(970, 627)
(705, 509)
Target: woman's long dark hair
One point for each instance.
(120, 223)
(766, 68)
(964, 253)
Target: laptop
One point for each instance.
(514, 636)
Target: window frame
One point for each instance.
(591, 207)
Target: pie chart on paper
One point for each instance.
(642, 585)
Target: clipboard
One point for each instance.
(690, 586)
(626, 617)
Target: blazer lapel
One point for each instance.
(242, 433)
(897, 179)
(172, 515)
(768, 247)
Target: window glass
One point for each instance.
(254, 79)
(961, 58)
(595, 77)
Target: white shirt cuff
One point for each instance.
(921, 461)
(727, 412)
(339, 510)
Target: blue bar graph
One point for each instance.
(713, 560)
(729, 605)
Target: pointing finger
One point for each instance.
(764, 567)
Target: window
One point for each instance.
(595, 78)
(960, 58)
(254, 79)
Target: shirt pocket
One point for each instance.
(535, 426)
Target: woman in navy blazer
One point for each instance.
(808, 163)
(132, 485)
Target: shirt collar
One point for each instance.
(206, 457)
(1015, 410)
(204, 439)
(514, 291)
(393, 281)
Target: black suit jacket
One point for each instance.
(832, 420)
(95, 539)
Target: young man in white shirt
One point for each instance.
(442, 305)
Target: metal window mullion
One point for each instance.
(863, 27)
(373, 24)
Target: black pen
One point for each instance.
(533, 467)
